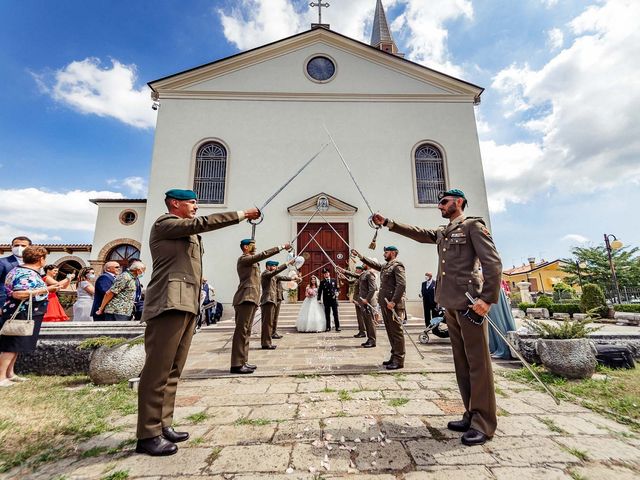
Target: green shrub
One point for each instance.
(524, 305)
(515, 298)
(109, 342)
(561, 331)
(569, 308)
(593, 300)
(628, 307)
(545, 302)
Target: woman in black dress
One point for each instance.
(22, 282)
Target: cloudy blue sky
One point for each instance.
(559, 122)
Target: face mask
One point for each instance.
(141, 275)
(91, 276)
(17, 251)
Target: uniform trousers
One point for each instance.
(167, 339)
(395, 334)
(474, 372)
(331, 306)
(369, 324)
(242, 334)
(360, 318)
(274, 321)
(268, 313)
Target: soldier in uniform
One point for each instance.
(367, 299)
(246, 300)
(171, 306)
(268, 302)
(279, 299)
(464, 245)
(354, 279)
(393, 284)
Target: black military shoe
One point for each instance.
(387, 362)
(170, 434)
(459, 425)
(360, 335)
(328, 330)
(338, 330)
(252, 367)
(474, 437)
(368, 344)
(394, 366)
(269, 347)
(276, 336)
(156, 446)
(242, 370)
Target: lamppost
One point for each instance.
(580, 265)
(615, 245)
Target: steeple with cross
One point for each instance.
(320, 4)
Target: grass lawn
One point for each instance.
(617, 395)
(42, 419)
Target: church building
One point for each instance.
(236, 129)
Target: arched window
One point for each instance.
(429, 173)
(211, 170)
(123, 254)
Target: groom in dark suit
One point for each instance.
(329, 289)
(428, 294)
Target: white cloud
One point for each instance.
(420, 27)
(41, 213)
(549, 3)
(555, 38)
(574, 238)
(89, 88)
(582, 105)
(134, 185)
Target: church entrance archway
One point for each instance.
(315, 258)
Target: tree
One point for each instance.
(597, 269)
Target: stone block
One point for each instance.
(351, 428)
(561, 316)
(602, 449)
(399, 427)
(240, 434)
(528, 451)
(457, 473)
(307, 458)
(580, 316)
(429, 452)
(298, 431)
(109, 366)
(253, 458)
(376, 457)
(628, 317)
(540, 473)
(537, 313)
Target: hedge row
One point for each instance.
(569, 308)
(627, 307)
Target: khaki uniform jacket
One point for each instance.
(393, 280)
(280, 290)
(463, 247)
(368, 287)
(249, 275)
(354, 279)
(270, 282)
(176, 252)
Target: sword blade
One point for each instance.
(334, 231)
(293, 177)
(515, 350)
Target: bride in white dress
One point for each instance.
(311, 316)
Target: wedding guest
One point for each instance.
(117, 304)
(103, 284)
(55, 312)
(21, 283)
(7, 264)
(85, 291)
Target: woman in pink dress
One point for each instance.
(55, 312)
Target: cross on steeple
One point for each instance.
(319, 4)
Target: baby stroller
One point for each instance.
(437, 326)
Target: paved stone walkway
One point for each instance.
(365, 424)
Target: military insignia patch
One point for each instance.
(485, 231)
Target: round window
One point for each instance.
(321, 69)
(128, 217)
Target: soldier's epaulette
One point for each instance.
(479, 219)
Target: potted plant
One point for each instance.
(564, 348)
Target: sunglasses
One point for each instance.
(444, 201)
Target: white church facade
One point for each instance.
(236, 129)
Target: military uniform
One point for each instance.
(245, 303)
(465, 245)
(368, 290)
(393, 284)
(171, 305)
(276, 313)
(268, 302)
(354, 279)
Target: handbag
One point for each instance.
(16, 327)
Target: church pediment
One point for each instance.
(327, 204)
(276, 71)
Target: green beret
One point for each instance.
(390, 248)
(181, 194)
(247, 241)
(272, 263)
(454, 192)
(359, 267)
